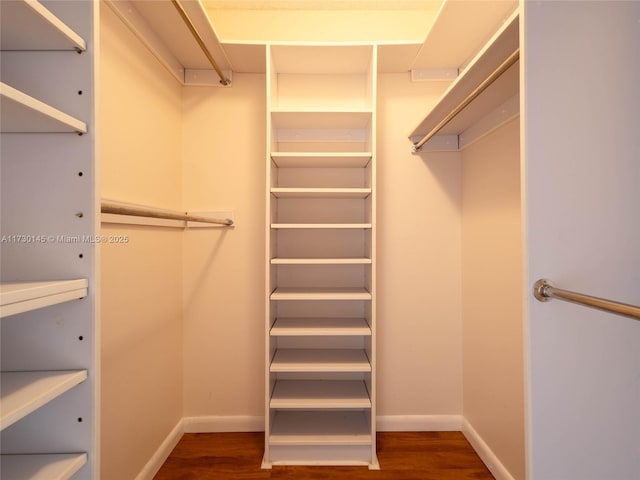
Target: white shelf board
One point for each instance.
(18, 297)
(357, 226)
(301, 327)
(29, 25)
(160, 27)
(496, 51)
(321, 159)
(320, 428)
(295, 293)
(41, 467)
(459, 29)
(21, 113)
(24, 392)
(289, 192)
(321, 119)
(321, 261)
(314, 394)
(320, 360)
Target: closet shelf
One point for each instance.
(499, 48)
(360, 226)
(321, 119)
(29, 25)
(320, 261)
(320, 428)
(299, 327)
(287, 192)
(296, 293)
(321, 159)
(164, 32)
(24, 392)
(320, 360)
(42, 467)
(21, 113)
(315, 394)
(18, 297)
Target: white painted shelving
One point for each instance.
(21, 113)
(320, 270)
(48, 217)
(497, 104)
(18, 297)
(24, 392)
(42, 467)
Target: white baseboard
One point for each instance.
(158, 458)
(492, 462)
(235, 423)
(419, 423)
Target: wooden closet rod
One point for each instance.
(117, 209)
(504, 66)
(223, 80)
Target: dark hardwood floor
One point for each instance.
(402, 456)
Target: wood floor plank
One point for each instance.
(402, 455)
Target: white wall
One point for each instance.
(419, 310)
(224, 168)
(141, 279)
(493, 384)
(582, 172)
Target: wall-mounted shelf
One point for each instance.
(25, 392)
(345, 293)
(320, 261)
(29, 25)
(497, 95)
(320, 360)
(313, 394)
(280, 192)
(334, 226)
(321, 428)
(160, 27)
(321, 159)
(42, 467)
(18, 297)
(295, 327)
(21, 113)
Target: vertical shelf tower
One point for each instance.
(48, 391)
(320, 249)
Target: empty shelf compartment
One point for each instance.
(292, 427)
(24, 392)
(320, 394)
(21, 113)
(320, 326)
(41, 467)
(18, 297)
(320, 360)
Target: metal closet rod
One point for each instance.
(504, 66)
(223, 80)
(116, 209)
(544, 291)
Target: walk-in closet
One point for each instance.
(317, 225)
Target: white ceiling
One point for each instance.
(323, 4)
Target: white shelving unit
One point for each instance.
(48, 418)
(320, 269)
